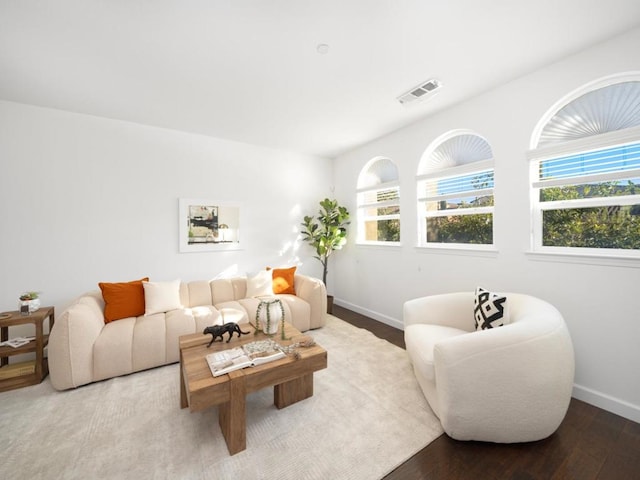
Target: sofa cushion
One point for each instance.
(160, 297)
(228, 289)
(295, 307)
(204, 316)
(421, 340)
(489, 309)
(233, 311)
(122, 299)
(112, 350)
(176, 323)
(148, 345)
(197, 293)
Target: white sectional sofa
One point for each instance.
(84, 349)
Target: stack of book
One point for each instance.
(17, 342)
(17, 369)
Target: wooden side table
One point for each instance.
(41, 367)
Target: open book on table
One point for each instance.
(248, 355)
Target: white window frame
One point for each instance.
(573, 147)
(363, 218)
(452, 172)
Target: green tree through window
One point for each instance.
(379, 202)
(613, 226)
(583, 205)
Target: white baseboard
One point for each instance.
(393, 322)
(592, 397)
(607, 402)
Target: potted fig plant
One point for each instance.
(326, 233)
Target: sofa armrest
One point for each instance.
(314, 292)
(71, 342)
(517, 375)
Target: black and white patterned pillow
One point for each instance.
(489, 309)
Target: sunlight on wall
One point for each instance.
(230, 271)
(296, 211)
(290, 248)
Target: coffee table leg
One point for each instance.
(184, 403)
(232, 415)
(293, 391)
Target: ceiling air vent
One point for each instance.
(420, 92)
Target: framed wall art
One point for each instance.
(208, 225)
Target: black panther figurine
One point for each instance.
(219, 330)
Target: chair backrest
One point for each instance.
(450, 309)
(532, 314)
(457, 307)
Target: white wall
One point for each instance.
(86, 199)
(601, 304)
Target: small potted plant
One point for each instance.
(29, 302)
(326, 234)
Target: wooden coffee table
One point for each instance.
(291, 378)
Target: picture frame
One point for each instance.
(208, 225)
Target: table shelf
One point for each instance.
(37, 346)
(6, 351)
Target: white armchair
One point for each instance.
(507, 384)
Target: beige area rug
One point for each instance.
(366, 417)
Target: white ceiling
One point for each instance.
(248, 70)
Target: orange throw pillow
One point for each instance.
(123, 300)
(283, 280)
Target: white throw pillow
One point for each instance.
(160, 297)
(260, 284)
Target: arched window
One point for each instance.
(585, 170)
(455, 192)
(379, 202)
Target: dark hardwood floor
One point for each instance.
(591, 443)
